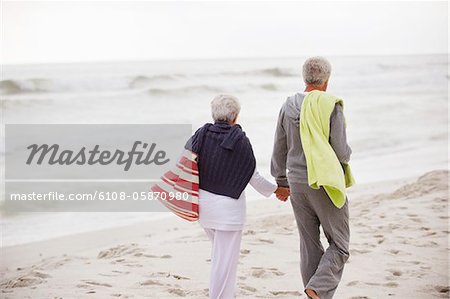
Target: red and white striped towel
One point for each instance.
(178, 189)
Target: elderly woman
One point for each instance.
(226, 165)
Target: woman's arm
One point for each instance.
(263, 186)
(266, 188)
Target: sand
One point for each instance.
(399, 249)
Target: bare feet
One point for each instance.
(312, 294)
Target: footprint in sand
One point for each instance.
(178, 292)
(359, 251)
(165, 256)
(168, 275)
(429, 234)
(430, 244)
(119, 251)
(117, 295)
(151, 282)
(91, 283)
(52, 265)
(254, 232)
(366, 244)
(247, 288)
(391, 284)
(244, 253)
(259, 272)
(442, 290)
(121, 272)
(25, 280)
(353, 283)
(394, 226)
(381, 240)
(134, 265)
(286, 293)
(199, 293)
(395, 272)
(109, 275)
(179, 277)
(267, 241)
(372, 283)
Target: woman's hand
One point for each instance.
(282, 193)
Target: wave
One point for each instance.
(274, 72)
(145, 81)
(269, 72)
(205, 89)
(399, 67)
(25, 86)
(184, 90)
(267, 86)
(80, 84)
(113, 83)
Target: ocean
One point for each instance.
(395, 108)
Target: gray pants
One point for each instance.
(321, 270)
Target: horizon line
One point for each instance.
(214, 58)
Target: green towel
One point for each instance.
(323, 166)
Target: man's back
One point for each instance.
(288, 151)
(321, 269)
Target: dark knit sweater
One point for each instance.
(226, 161)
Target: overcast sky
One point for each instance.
(39, 32)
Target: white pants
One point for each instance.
(224, 259)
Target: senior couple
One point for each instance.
(227, 165)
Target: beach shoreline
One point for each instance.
(398, 249)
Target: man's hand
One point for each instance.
(282, 193)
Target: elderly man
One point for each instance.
(321, 270)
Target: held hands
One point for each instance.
(282, 193)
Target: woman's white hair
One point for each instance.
(316, 70)
(225, 108)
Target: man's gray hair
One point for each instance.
(316, 70)
(225, 108)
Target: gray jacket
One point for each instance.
(288, 151)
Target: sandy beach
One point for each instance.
(399, 249)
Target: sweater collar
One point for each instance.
(233, 133)
(222, 127)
